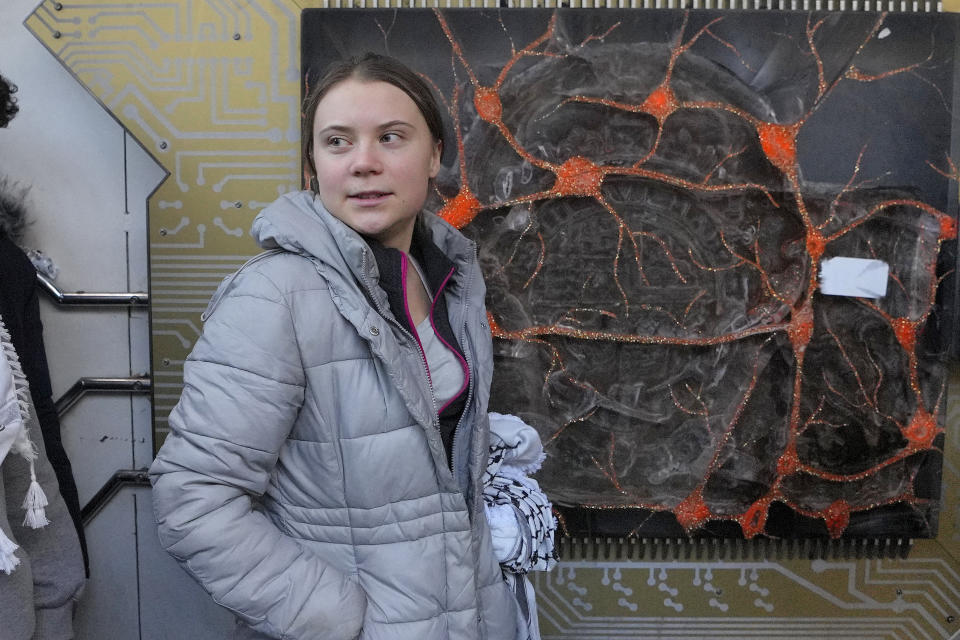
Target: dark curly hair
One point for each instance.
(8, 104)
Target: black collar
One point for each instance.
(435, 264)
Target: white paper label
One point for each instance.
(857, 277)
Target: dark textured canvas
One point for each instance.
(652, 194)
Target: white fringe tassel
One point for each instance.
(34, 503)
(8, 561)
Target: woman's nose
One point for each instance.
(366, 159)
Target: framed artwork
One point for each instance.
(719, 252)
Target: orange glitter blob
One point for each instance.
(948, 228)
(789, 461)
(578, 177)
(692, 511)
(461, 210)
(661, 103)
(754, 520)
(779, 142)
(922, 429)
(488, 104)
(837, 517)
(801, 328)
(816, 244)
(906, 333)
(494, 326)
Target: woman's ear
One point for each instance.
(435, 159)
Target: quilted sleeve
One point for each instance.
(243, 386)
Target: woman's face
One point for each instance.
(374, 157)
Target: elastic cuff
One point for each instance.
(56, 623)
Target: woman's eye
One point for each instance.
(336, 141)
(390, 137)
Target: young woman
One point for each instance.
(322, 474)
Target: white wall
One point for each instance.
(89, 183)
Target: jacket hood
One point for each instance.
(13, 210)
(299, 223)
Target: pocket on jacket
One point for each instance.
(321, 486)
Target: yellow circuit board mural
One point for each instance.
(210, 89)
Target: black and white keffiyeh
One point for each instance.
(15, 438)
(522, 524)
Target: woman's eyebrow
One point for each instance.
(395, 123)
(339, 128)
(342, 128)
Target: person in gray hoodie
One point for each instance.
(41, 567)
(20, 308)
(322, 474)
(41, 564)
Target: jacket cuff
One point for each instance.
(55, 623)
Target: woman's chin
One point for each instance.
(390, 235)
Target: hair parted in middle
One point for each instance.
(370, 67)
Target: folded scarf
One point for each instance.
(522, 524)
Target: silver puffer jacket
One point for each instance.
(304, 483)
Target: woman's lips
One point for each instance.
(369, 195)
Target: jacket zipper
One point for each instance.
(436, 415)
(470, 370)
(416, 336)
(423, 358)
(478, 491)
(463, 360)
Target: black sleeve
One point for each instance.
(20, 307)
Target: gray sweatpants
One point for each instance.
(37, 599)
